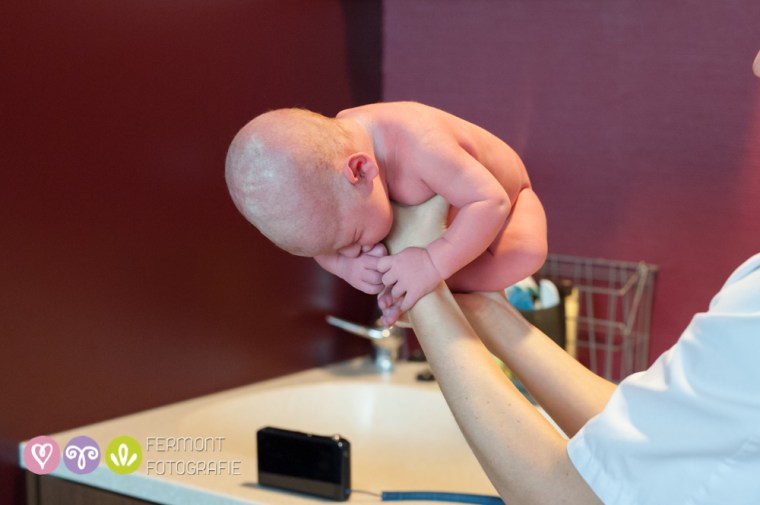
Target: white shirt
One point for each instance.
(686, 431)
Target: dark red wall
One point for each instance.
(639, 122)
(127, 278)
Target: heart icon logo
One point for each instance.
(41, 455)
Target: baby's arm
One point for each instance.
(361, 271)
(483, 206)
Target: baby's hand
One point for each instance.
(407, 276)
(362, 272)
(413, 227)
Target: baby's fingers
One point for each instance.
(384, 264)
(372, 277)
(398, 290)
(390, 315)
(408, 302)
(372, 289)
(385, 299)
(390, 278)
(377, 250)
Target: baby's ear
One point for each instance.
(360, 167)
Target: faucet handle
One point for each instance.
(386, 341)
(371, 333)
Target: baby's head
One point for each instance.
(286, 173)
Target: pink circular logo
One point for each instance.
(41, 455)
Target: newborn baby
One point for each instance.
(321, 187)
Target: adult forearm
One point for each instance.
(567, 390)
(521, 452)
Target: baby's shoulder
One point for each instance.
(396, 114)
(417, 134)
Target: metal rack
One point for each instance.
(614, 308)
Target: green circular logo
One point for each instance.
(123, 455)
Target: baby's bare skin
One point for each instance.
(322, 187)
(497, 229)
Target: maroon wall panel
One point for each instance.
(639, 122)
(128, 279)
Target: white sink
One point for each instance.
(402, 437)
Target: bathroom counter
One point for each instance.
(203, 451)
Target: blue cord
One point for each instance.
(476, 499)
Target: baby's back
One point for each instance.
(414, 129)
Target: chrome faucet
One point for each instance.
(386, 341)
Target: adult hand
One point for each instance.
(413, 227)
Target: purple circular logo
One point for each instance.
(41, 455)
(81, 455)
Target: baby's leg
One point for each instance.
(517, 252)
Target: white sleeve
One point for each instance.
(686, 431)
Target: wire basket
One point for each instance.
(614, 309)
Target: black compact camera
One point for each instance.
(305, 463)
